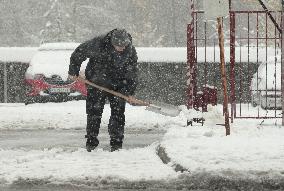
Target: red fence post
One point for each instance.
(282, 62)
(191, 81)
(232, 64)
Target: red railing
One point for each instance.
(251, 39)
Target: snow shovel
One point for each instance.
(157, 107)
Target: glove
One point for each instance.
(72, 78)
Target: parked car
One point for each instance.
(266, 86)
(46, 78)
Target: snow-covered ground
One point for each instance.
(254, 150)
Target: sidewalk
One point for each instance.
(252, 151)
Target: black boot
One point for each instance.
(93, 126)
(92, 143)
(115, 145)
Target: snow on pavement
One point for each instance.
(253, 148)
(65, 165)
(57, 165)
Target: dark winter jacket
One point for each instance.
(107, 67)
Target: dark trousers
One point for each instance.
(94, 108)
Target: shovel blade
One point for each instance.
(164, 109)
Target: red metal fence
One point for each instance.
(253, 63)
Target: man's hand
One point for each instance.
(73, 78)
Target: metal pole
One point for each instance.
(190, 58)
(223, 74)
(270, 16)
(5, 82)
(282, 62)
(232, 61)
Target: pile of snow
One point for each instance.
(251, 150)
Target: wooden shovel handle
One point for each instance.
(127, 98)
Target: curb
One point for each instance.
(161, 152)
